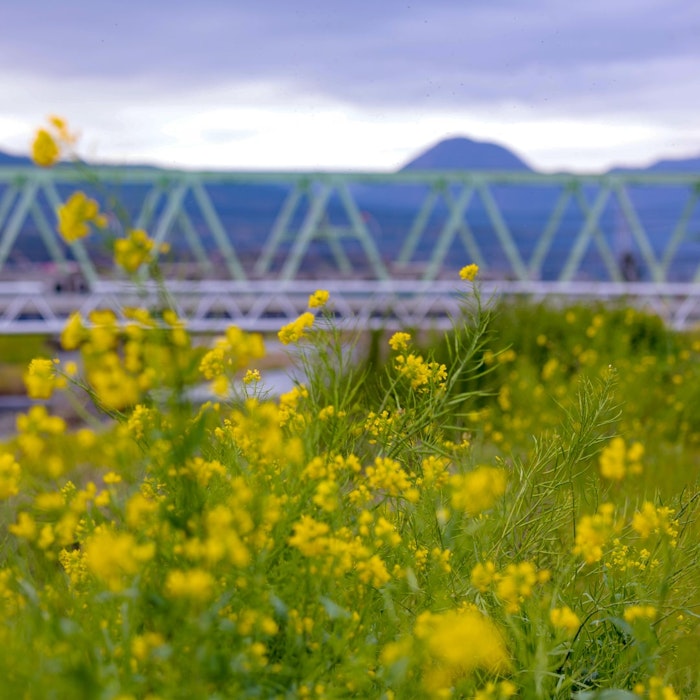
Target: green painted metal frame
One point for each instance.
(165, 207)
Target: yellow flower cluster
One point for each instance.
(122, 363)
(318, 299)
(512, 586)
(565, 619)
(289, 405)
(293, 332)
(115, 557)
(193, 584)
(134, 250)
(339, 553)
(41, 378)
(656, 689)
(9, 476)
(380, 425)
(230, 354)
(640, 612)
(419, 373)
(497, 691)
(652, 520)
(616, 459)
(386, 475)
(76, 216)
(469, 272)
(477, 490)
(400, 341)
(456, 644)
(593, 532)
(46, 148)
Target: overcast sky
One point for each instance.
(354, 84)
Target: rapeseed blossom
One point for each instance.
(469, 272)
(477, 490)
(652, 520)
(193, 584)
(115, 557)
(593, 532)
(400, 341)
(45, 150)
(134, 250)
(458, 643)
(318, 299)
(483, 575)
(48, 142)
(565, 619)
(9, 476)
(74, 332)
(293, 332)
(656, 689)
(616, 459)
(387, 476)
(516, 584)
(640, 612)
(41, 378)
(77, 215)
(419, 373)
(497, 691)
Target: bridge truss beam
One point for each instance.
(593, 236)
(210, 307)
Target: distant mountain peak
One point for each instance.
(462, 153)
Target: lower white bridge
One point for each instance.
(211, 306)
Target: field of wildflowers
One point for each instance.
(505, 515)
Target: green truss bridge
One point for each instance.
(247, 248)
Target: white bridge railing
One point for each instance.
(211, 306)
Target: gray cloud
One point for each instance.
(373, 52)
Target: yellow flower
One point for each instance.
(76, 215)
(318, 299)
(296, 330)
(25, 526)
(45, 150)
(656, 690)
(399, 341)
(478, 490)
(195, 584)
(134, 250)
(251, 376)
(639, 612)
(593, 533)
(515, 584)
(387, 475)
(496, 691)
(483, 575)
(419, 372)
(115, 556)
(469, 272)
(565, 619)
(458, 642)
(41, 379)
(654, 520)
(9, 476)
(616, 459)
(74, 332)
(60, 127)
